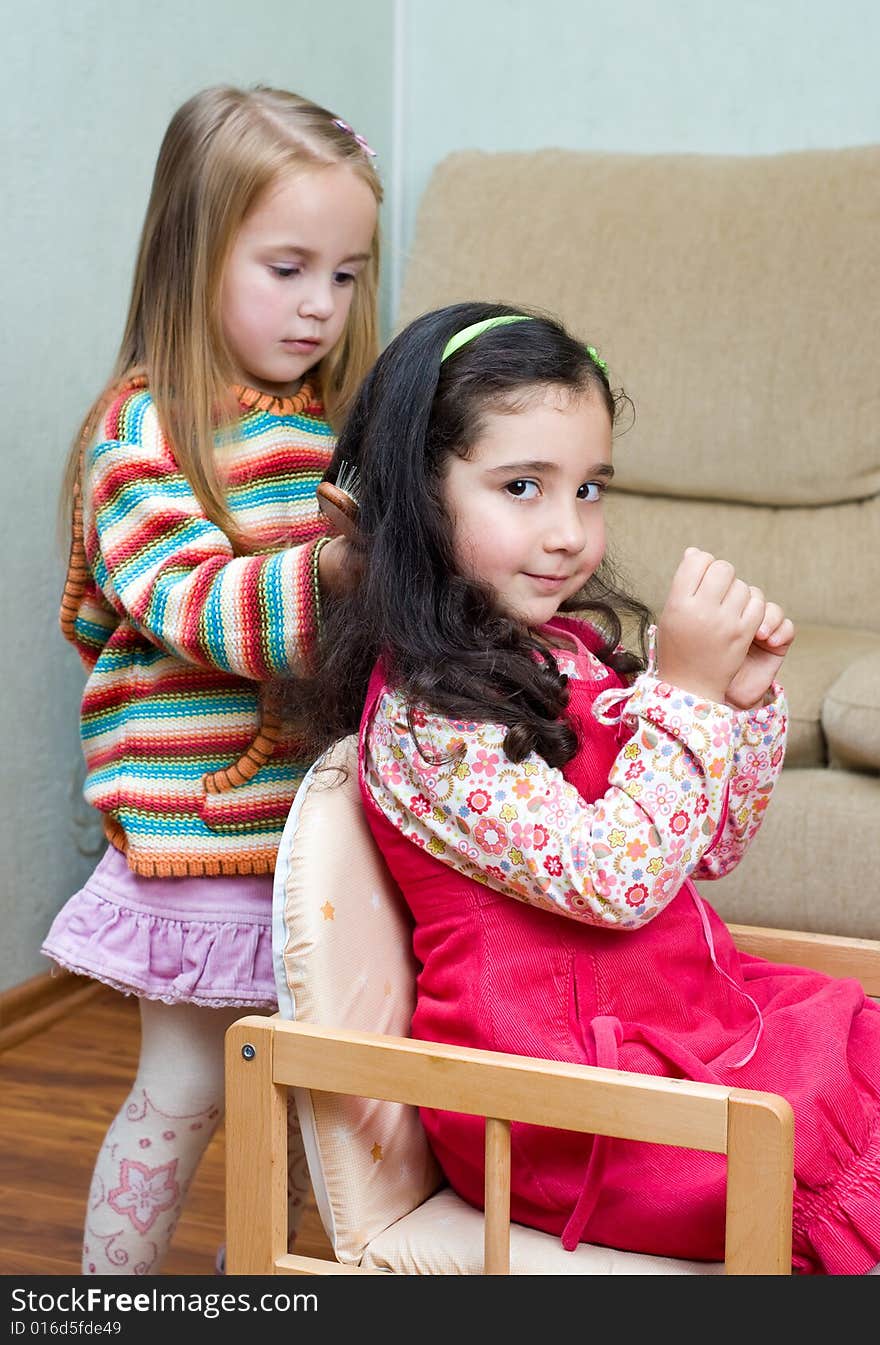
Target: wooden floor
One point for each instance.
(59, 1091)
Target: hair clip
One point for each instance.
(344, 126)
(597, 359)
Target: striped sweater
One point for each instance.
(184, 642)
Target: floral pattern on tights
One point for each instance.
(144, 1192)
(686, 794)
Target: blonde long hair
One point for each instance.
(221, 150)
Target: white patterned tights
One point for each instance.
(155, 1143)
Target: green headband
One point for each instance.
(476, 328)
(468, 333)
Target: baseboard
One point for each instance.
(33, 1005)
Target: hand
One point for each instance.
(772, 641)
(707, 626)
(340, 566)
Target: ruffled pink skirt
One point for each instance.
(204, 941)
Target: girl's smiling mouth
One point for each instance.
(550, 580)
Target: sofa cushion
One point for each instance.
(851, 716)
(813, 864)
(810, 560)
(821, 659)
(732, 295)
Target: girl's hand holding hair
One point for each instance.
(340, 563)
(707, 629)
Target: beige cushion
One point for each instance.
(821, 660)
(813, 864)
(816, 562)
(736, 298)
(445, 1237)
(343, 957)
(851, 716)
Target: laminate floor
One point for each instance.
(59, 1091)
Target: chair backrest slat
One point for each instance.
(496, 1197)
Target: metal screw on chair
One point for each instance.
(248, 1051)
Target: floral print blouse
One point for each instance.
(685, 796)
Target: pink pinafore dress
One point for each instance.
(671, 998)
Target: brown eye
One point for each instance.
(522, 488)
(591, 491)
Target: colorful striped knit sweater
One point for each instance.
(191, 766)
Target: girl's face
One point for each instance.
(290, 277)
(526, 505)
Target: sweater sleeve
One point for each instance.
(163, 565)
(523, 830)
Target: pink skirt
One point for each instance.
(204, 941)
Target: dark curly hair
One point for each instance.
(442, 636)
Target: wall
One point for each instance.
(640, 75)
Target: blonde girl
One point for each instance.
(199, 566)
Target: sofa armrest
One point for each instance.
(819, 658)
(851, 716)
(829, 953)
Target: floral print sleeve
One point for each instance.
(759, 747)
(523, 830)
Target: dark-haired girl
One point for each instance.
(544, 797)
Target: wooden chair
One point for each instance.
(346, 979)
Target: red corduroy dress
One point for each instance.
(672, 998)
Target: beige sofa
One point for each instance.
(737, 300)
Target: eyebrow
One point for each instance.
(308, 252)
(603, 469)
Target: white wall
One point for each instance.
(713, 76)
